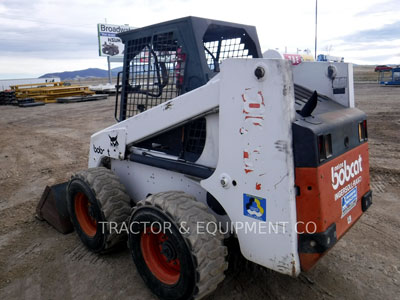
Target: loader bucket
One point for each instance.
(52, 207)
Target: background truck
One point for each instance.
(324, 57)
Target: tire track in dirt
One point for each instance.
(81, 254)
(382, 178)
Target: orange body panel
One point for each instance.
(321, 191)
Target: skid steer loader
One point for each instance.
(215, 141)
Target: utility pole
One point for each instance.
(109, 70)
(316, 23)
(108, 62)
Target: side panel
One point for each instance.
(315, 76)
(141, 180)
(254, 178)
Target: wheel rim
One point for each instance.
(160, 256)
(82, 211)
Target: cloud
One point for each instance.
(380, 8)
(386, 33)
(52, 35)
(373, 58)
(46, 42)
(347, 46)
(370, 46)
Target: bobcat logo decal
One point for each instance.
(114, 141)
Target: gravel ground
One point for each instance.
(41, 146)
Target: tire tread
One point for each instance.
(112, 198)
(208, 251)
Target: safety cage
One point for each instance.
(154, 72)
(166, 60)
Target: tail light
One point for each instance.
(324, 146)
(362, 131)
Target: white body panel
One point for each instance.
(141, 180)
(255, 150)
(248, 142)
(314, 76)
(111, 143)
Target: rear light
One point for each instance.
(328, 146)
(362, 131)
(324, 146)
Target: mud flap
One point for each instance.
(52, 208)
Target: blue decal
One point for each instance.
(255, 207)
(349, 201)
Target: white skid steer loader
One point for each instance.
(214, 141)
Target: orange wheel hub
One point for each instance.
(82, 208)
(160, 256)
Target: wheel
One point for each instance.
(175, 260)
(97, 200)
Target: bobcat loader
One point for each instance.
(213, 141)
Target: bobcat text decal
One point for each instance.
(343, 172)
(98, 149)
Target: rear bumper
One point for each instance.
(331, 197)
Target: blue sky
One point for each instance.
(50, 36)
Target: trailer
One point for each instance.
(390, 77)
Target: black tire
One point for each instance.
(94, 196)
(186, 265)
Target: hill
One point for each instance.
(87, 73)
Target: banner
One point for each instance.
(109, 43)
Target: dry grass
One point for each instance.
(365, 73)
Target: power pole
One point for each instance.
(316, 23)
(109, 70)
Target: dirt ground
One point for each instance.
(45, 145)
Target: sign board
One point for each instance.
(109, 43)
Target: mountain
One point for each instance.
(87, 73)
(116, 70)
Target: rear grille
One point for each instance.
(302, 94)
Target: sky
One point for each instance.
(45, 36)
